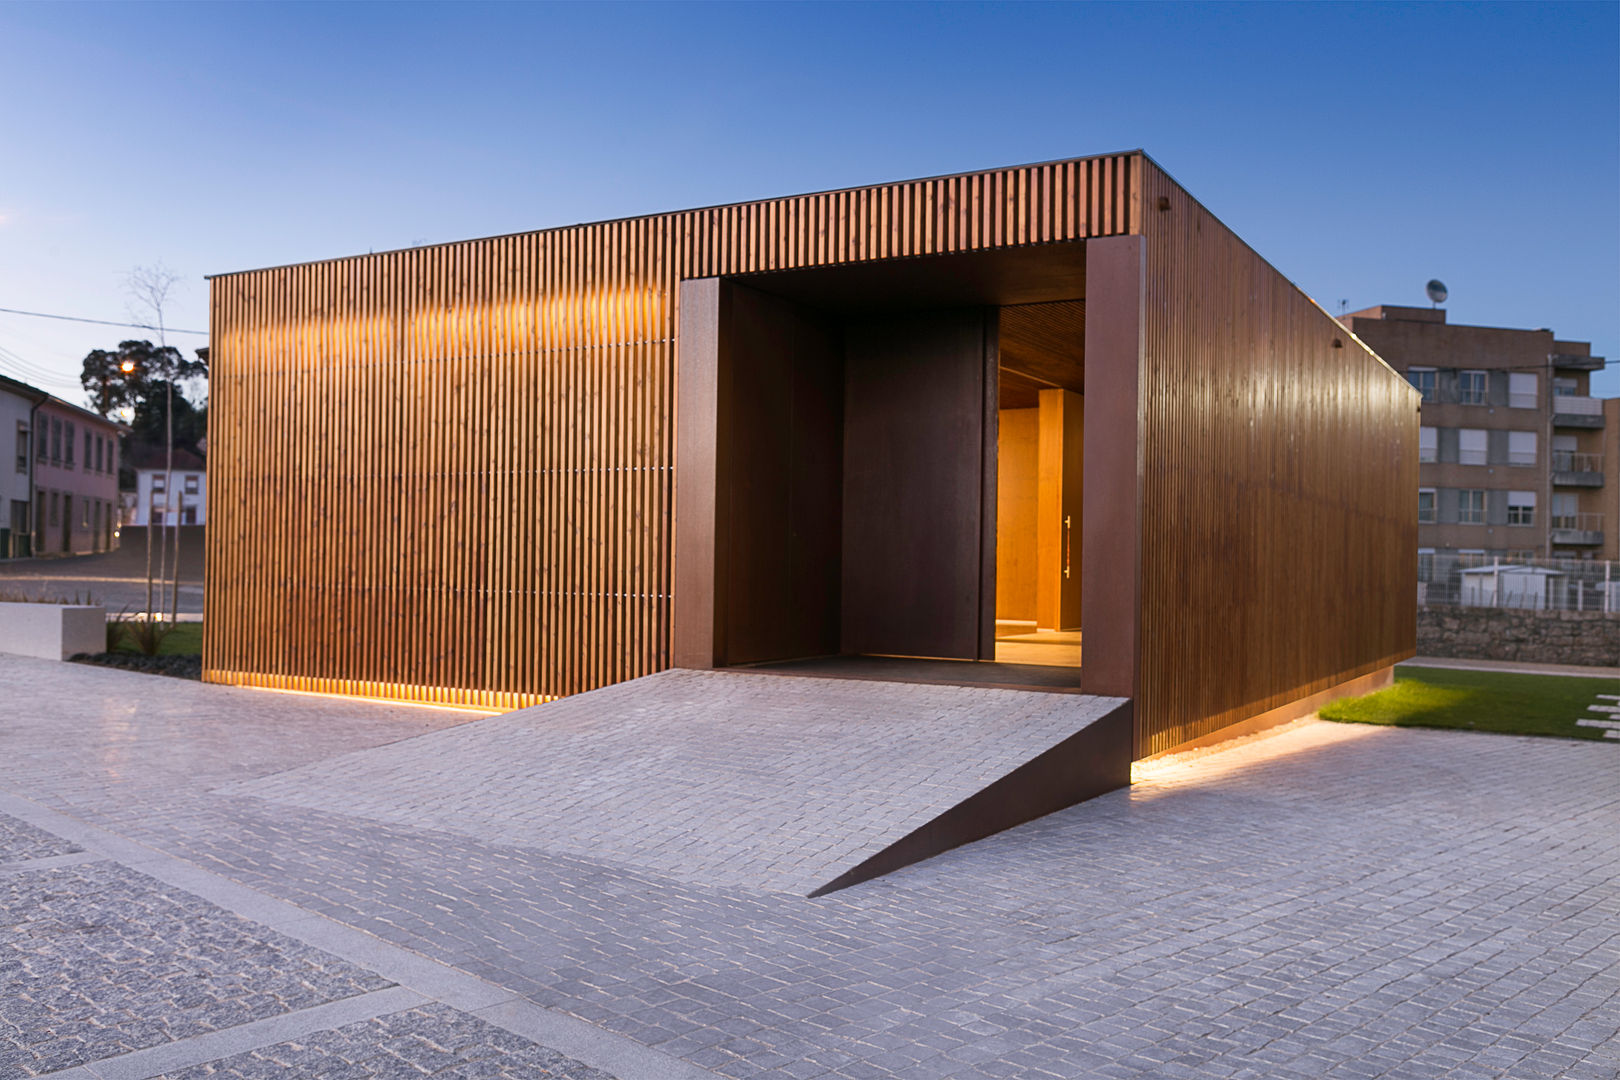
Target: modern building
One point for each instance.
(150, 501)
(1512, 446)
(1058, 406)
(67, 458)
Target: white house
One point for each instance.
(149, 502)
(18, 402)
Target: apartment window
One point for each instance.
(1471, 507)
(1521, 448)
(1425, 564)
(100, 454)
(1471, 443)
(1522, 390)
(68, 439)
(1467, 557)
(1564, 387)
(189, 516)
(1425, 506)
(1471, 387)
(1423, 379)
(1521, 508)
(191, 484)
(158, 482)
(87, 450)
(56, 439)
(1428, 444)
(22, 447)
(1565, 508)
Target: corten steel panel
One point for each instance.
(447, 473)
(1277, 533)
(914, 483)
(1110, 520)
(784, 472)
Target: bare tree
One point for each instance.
(150, 287)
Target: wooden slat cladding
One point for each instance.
(446, 474)
(1278, 535)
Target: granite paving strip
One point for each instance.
(97, 960)
(427, 978)
(255, 1035)
(718, 777)
(1330, 902)
(432, 1040)
(48, 862)
(22, 842)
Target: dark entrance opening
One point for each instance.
(862, 414)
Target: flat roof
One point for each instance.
(692, 210)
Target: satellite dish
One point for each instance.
(1437, 291)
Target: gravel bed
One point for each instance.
(180, 667)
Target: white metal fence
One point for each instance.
(1455, 579)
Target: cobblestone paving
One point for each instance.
(1335, 901)
(20, 841)
(430, 1041)
(97, 960)
(753, 781)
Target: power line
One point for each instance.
(34, 373)
(103, 322)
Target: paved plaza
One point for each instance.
(1334, 901)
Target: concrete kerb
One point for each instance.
(420, 979)
(1512, 667)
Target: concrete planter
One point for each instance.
(52, 631)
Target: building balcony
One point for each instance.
(1577, 412)
(1571, 469)
(1571, 362)
(1577, 530)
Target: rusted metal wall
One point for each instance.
(445, 474)
(1279, 461)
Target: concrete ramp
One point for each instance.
(725, 778)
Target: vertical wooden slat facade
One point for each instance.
(445, 474)
(1279, 460)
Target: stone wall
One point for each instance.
(1542, 637)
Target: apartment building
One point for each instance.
(1512, 444)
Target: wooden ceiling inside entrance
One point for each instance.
(1043, 346)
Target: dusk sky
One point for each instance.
(1361, 148)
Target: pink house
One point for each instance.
(75, 480)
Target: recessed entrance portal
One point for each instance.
(891, 456)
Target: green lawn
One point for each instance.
(184, 640)
(1480, 701)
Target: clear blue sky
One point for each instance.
(1361, 148)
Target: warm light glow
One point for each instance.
(1157, 775)
(127, 366)
(377, 700)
